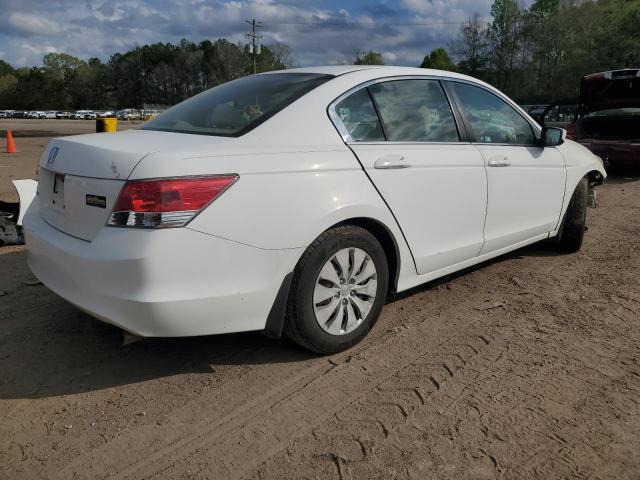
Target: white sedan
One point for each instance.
(296, 201)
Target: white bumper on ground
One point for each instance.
(160, 283)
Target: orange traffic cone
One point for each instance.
(11, 146)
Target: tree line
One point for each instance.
(160, 74)
(539, 54)
(534, 54)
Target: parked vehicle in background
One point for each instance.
(84, 115)
(608, 118)
(536, 112)
(559, 114)
(63, 115)
(299, 200)
(148, 114)
(50, 114)
(106, 114)
(128, 114)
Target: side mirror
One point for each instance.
(553, 136)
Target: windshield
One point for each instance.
(234, 108)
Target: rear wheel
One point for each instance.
(338, 290)
(575, 219)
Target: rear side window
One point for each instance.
(492, 119)
(234, 108)
(415, 111)
(360, 118)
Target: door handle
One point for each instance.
(390, 162)
(499, 161)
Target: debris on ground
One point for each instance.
(489, 306)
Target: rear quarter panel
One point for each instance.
(284, 200)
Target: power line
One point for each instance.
(366, 24)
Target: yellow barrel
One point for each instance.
(106, 124)
(110, 124)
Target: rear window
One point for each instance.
(234, 108)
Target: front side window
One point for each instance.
(234, 108)
(360, 118)
(415, 111)
(492, 119)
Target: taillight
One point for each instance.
(571, 130)
(166, 202)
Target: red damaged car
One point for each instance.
(608, 119)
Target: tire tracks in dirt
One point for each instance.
(270, 418)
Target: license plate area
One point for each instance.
(57, 195)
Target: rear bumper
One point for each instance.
(161, 283)
(616, 154)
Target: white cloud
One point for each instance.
(317, 34)
(36, 24)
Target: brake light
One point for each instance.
(166, 202)
(571, 130)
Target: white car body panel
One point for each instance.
(579, 161)
(525, 198)
(26, 189)
(297, 178)
(145, 282)
(421, 197)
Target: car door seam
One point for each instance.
(486, 203)
(387, 205)
(564, 192)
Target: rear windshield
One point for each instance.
(234, 108)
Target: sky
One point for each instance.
(319, 32)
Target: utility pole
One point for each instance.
(254, 46)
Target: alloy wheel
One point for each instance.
(345, 291)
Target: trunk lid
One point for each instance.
(80, 177)
(608, 90)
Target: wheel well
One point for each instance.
(595, 178)
(386, 239)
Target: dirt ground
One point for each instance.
(525, 367)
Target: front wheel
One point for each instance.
(338, 290)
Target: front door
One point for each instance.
(526, 182)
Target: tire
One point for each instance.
(309, 321)
(575, 219)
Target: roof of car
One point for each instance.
(376, 71)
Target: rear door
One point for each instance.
(405, 135)
(526, 181)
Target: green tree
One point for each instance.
(5, 68)
(470, 48)
(504, 37)
(61, 71)
(438, 59)
(368, 58)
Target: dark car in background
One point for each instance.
(559, 114)
(608, 118)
